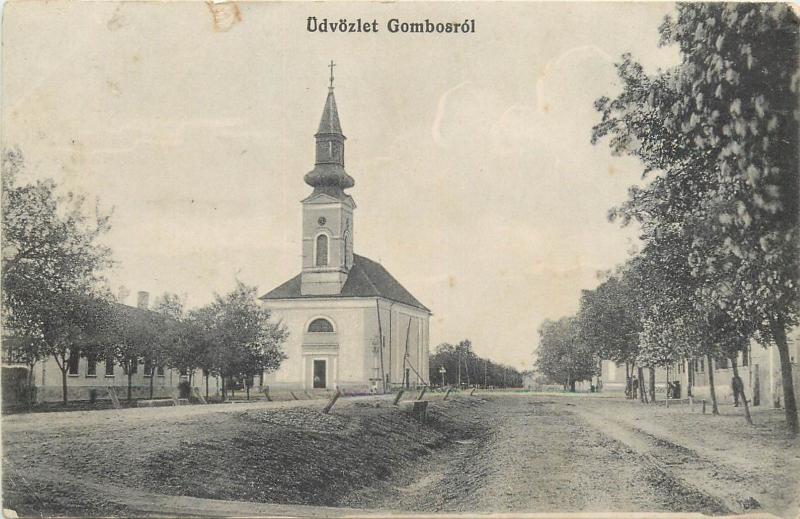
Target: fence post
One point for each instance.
(473, 391)
(266, 394)
(704, 406)
(422, 393)
(335, 397)
(448, 392)
(397, 397)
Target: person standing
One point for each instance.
(738, 387)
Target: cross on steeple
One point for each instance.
(332, 64)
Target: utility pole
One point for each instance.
(485, 365)
(459, 369)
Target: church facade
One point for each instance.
(352, 325)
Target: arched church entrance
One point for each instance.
(320, 353)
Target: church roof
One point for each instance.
(367, 278)
(330, 116)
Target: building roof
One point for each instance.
(329, 123)
(367, 278)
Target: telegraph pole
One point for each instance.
(459, 369)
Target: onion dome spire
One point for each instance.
(328, 174)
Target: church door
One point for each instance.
(319, 374)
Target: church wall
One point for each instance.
(344, 350)
(395, 322)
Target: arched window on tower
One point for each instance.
(320, 325)
(322, 251)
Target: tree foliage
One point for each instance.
(474, 370)
(562, 356)
(240, 337)
(718, 138)
(52, 264)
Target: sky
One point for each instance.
(476, 183)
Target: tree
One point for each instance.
(562, 356)
(740, 83)
(51, 262)
(475, 370)
(718, 136)
(134, 334)
(609, 321)
(242, 339)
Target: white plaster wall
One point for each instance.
(349, 332)
(357, 327)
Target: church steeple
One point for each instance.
(328, 211)
(328, 175)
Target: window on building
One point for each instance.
(322, 251)
(722, 363)
(702, 365)
(348, 250)
(91, 365)
(109, 367)
(72, 362)
(160, 371)
(745, 355)
(320, 326)
(148, 367)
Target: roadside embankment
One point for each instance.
(288, 455)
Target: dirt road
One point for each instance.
(503, 453)
(557, 453)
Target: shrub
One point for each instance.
(184, 389)
(16, 386)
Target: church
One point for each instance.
(352, 325)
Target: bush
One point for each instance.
(184, 389)
(16, 388)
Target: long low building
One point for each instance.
(759, 368)
(85, 374)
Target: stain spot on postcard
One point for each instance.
(113, 87)
(451, 281)
(116, 21)
(225, 15)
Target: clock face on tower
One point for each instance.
(321, 221)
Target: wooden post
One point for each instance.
(327, 408)
(422, 393)
(473, 391)
(397, 396)
(448, 392)
(199, 395)
(266, 394)
(113, 396)
(704, 406)
(380, 333)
